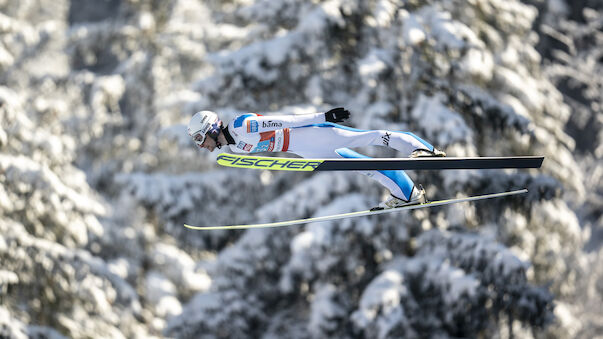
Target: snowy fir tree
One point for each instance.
(98, 174)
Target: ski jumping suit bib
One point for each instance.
(309, 136)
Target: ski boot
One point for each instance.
(417, 197)
(423, 153)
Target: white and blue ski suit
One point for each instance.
(310, 136)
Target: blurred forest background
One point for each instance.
(97, 173)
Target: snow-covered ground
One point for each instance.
(97, 174)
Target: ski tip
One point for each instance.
(213, 228)
(194, 227)
(268, 163)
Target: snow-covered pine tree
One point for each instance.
(97, 172)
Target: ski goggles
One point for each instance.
(199, 138)
(212, 130)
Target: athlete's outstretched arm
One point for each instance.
(254, 123)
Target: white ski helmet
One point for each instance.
(202, 124)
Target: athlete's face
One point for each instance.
(204, 142)
(209, 144)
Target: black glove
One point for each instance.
(338, 114)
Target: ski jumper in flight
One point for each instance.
(315, 136)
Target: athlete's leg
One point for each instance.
(335, 136)
(333, 141)
(404, 142)
(398, 182)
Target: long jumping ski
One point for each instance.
(358, 214)
(436, 163)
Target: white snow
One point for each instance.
(382, 299)
(324, 312)
(162, 293)
(441, 125)
(373, 64)
(412, 30)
